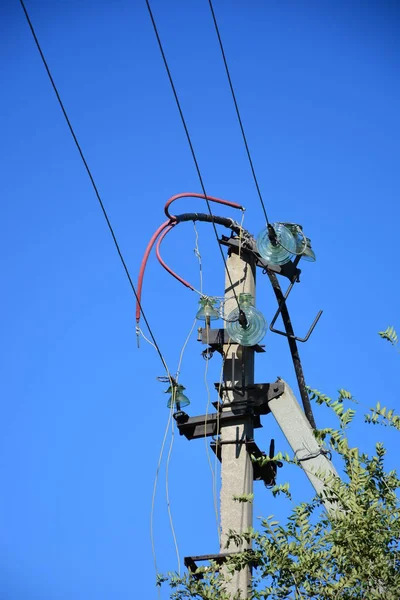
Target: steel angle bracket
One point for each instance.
(210, 425)
(190, 562)
(295, 337)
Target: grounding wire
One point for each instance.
(238, 112)
(178, 104)
(95, 188)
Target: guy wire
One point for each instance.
(191, 147)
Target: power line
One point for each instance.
(93, 184)
(178, 104)
(238, 112)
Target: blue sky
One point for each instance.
(83, 415)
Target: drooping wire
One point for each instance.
(153, 498)
(178, 104)
(238, 112)
(171, 522)
(169, 422)
(95, 188)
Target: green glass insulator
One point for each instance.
(177, 399)
(303, 243)
(256, 326)
(207, 309)
(309, 253)
(299, 237)
(282, 252)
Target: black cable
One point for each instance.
(192, 150)
(93, 184)
(238, 112)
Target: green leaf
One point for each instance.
(390, 335)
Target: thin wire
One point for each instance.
(167, 493)
(178, 372)
(221, 377)
(240, 249)
(168, 459)
(153, 549)
(178, 104)
(238, 112)
(171, 446)
(215, 502)
(156, 346)
(241, 234)
(198, 255)
(197, 252)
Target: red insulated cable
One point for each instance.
(194, 195)
(161, 261)
(164, 229)
(144, 262)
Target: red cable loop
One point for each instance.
(194, 195)
(163, 264)
(164, 229)
(143, 265)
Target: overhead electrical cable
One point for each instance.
(238, 112)
(275, 284)
(95, 188)
(178, 104)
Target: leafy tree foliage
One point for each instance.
(351, 553)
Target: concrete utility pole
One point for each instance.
(240, 408)
(236, 465)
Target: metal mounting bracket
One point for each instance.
(288, 270)
(253, 407)
(216, 338)
(258, 396)
(210, 425)
(190, 561)
(266, 473)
